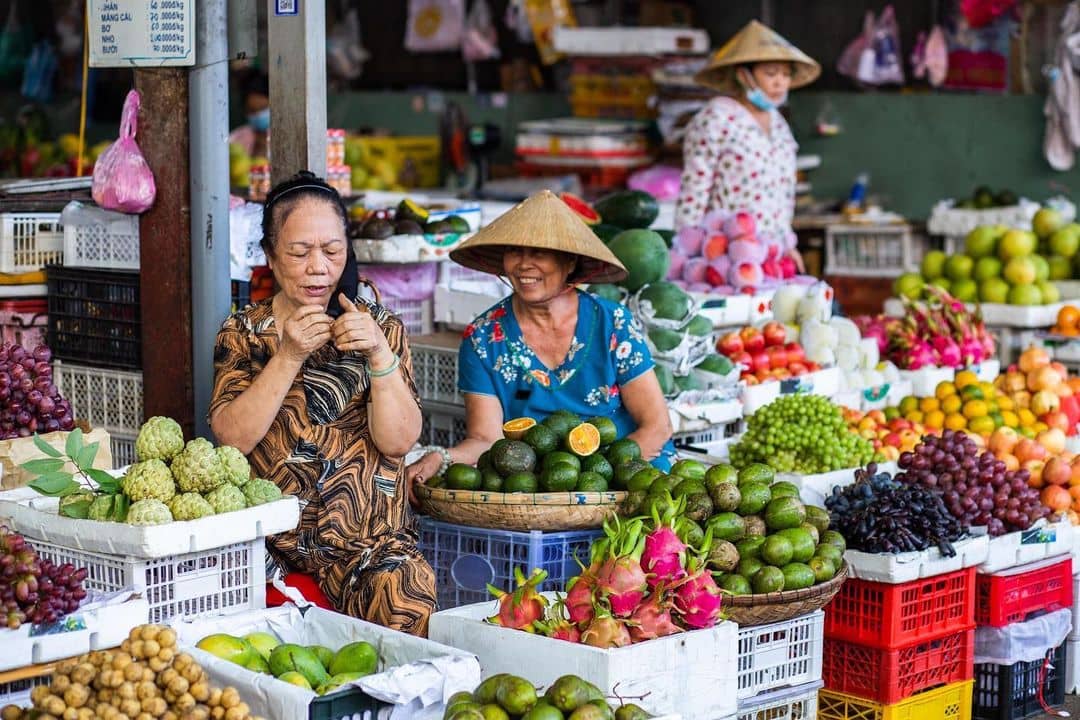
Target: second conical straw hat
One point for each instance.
(753, 44)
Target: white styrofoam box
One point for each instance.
(889, 394)
(782, 654)
(823, 382)
(907, 566)
(725, 311)
(813, 489)
(272, 698)
(692, 673)
(630, 41)
(794, 703)
(987, 370)
(407, 248)
(1045, 540)
(689, 417)
(1072, 666)
(456, 308)
(848, 398)
(91, 627)
(36, 517)
(1012, 316)
(30, 241)
(761, 307)
(924, 381)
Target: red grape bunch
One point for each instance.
(34, 590)
(976, 487)
(29, 401)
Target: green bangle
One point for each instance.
(383, 373)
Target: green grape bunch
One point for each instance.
(804, 434)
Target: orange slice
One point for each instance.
(515, 429)
(583, 440)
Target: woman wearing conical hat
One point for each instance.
(738, 152)
(550, 346)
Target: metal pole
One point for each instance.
(208, 87)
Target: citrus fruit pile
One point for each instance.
(806, 434)
(559, 454)
(965, 404)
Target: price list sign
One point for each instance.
(141, 33)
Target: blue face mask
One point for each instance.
(260, 120)
(759, 99)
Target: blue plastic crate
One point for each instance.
(465, 559)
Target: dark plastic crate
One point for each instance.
(241, 294)
(466, 559)
(1021, 682)
(95, 317)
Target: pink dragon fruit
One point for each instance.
(971, 350)
(715, 246)
(652, 619)
(787, 268)
(694, 270)
(717, 272)
(580, 604)
(948, 352)
(522, 607)
(621, 581)
(772, 251)
(745, 275)
(677, 261)
(771, 268)
(919, 355)
(664, 554)
(743, 251)
(606, 631)
(559, 629)
(740, 225)
(697, 600)
(689, 240)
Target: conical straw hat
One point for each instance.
(753, 44)
(544, 222)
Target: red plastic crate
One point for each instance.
(1016, 596)
(24, 322)
(893, 616)
(889, 676)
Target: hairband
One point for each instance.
(325, 188)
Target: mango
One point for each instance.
(358, 657)
(227, 647)
(297, 658)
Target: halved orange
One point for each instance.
(583, 440)
(515, 429)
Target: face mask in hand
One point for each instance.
(260, 120)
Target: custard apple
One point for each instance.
(197, 468)
(226, 499)
(149, 512)
(75, 497)
(237, 470)
(149, 479)
(190, 506)
(160, 438)
(101, 508)
(258, 491)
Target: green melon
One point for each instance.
(700, 326)
(628, 208)
(666, 379)
(664, 340)
(645, 256)
(607, 291)
(668, 300)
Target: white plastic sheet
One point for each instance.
(1024, 641)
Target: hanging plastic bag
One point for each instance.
(15, 45)
(874, 58)
(345, 53)
(481, 39)
(848, 64)
(434, 25)
(122, 179)
(38, 74)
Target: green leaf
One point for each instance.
(46, 447)
(78, 510)
(87, 455)
(73, 445)
(105, 481)
(43, 466)
(54, 484)
(74, 488)
(120, 506)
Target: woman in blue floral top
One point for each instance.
(550, 346)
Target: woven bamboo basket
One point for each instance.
(773, 607)
(550, 512)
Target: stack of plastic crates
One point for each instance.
(878, 251)
(1011, 603)
(897, 650)
(779, 673)
(28, 242)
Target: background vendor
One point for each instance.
(738, 152)
(550, 346)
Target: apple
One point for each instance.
(812, 367)
(764, 375)
(777, 356)
(795, 352)
(781, 373)
(753, 340)
(797, 368)
(893, 439)
(775, 333)
(730, 344)
(743, 359)
(760, 361)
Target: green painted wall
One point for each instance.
(917, 148)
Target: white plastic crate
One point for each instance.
(107, 399)
(30, 241)
(103, 239)
(867, 250)
(435, 372)
(710, 435)
(17, 692)
(781, 654)
(418, 316)
(221, 581)
(443, 426)
(457, 307)
(123, 449)
(796, 703)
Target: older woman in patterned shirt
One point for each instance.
(326, 408)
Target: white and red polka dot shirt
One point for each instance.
(731, 163)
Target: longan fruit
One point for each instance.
(170, 715)
(184, 703)
(156, 706)
(167, 677)
(11, 712)
(148, 675)
(240, 711)
(54, 706)
(107, 713)
(192, 673)
(144, 716)
(85, 713)
(167, 638)
(59, 684)
(76, 696)
(70, 713)
(64, 667)
(218, 713)
(200, 691)
(150, 648)
(83, 673)
(104, 695)
(166, 654)
(121, 661)
(182, 660)
(126, 691)
(197, 713)
(230, 697)
(179, 686)
(137, 649)
(131, 707)
(136, 633)
(150, 632)
(215, 697)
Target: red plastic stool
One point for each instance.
(307, 587)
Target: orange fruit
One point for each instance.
(515, 429)
(583, 440)
(951, 404)
(1068, 317)
(1056, 498)
(928, 404)
(955, 421)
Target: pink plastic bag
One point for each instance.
(122, 179)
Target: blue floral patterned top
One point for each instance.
(608, 351)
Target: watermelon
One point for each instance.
(668, 301)
(666, 378)
(607, 292)
(645, 256)
(581, 208)
(628, 208)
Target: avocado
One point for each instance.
(439, 227)
(458, 223)
(408, 227)
(409, 210)
(377, 229)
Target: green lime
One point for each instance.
(541, 438)
(623, 473)
(798, 576)
(643, 478)
(561, 457)
(484, 461)
(520, 482)
(748, 567)
(719, 474)
(736, 584)
(623, 450)
(663, 482)
(560, 424)
(689, 469)
(687, 487)
(598, 464)
(591, 482)
(606, 426)
(777, 550)
(560, 477)
(802, 544)
(755, 496)
(783, 488)
(491, 481)
(460, 476)
(756, 472)
(768, 579)
(750, 547)
(727, 526)
(514, 456)
(831, 537)
(831, 553)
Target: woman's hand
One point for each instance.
(306, 330)
(356, 330)
(420, 471)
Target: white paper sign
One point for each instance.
(142, 33)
